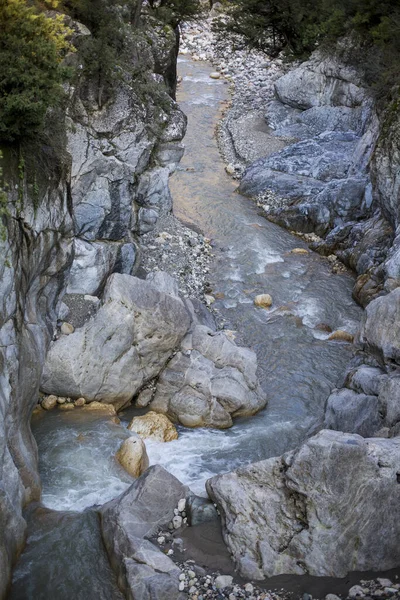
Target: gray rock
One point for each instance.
(209, 381)
(169, 154)
(389, 400)
(144, 572)
(353, 413)
(385, 166)
(380, 327)
(322, 509)
(35, 255)
(93, 262)
(319, 119)
(223, 581)
(164, 283)
(153, 191)
(320, 82)
(122, 347)
(366, 380)
(200, 510)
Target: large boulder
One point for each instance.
(330, 507)
(144, 572)
(209, 381)
(94, 261)
(353, 413)
(124, 345)
(380, 327)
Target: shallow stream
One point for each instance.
(298, 366)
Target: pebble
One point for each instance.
(67, 328)
(356, 592)
(177, 522)
(215, 75)
(49, 403)
(299, 251)
(182, 505)
(223, 581)
(263, 300)
(66, 406)
(384, 582)
(341, 336)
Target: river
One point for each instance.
(298, 365)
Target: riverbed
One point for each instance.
(298, 365)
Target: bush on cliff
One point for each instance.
(32, 46)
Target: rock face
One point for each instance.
(380, 328)
(338, 174)
(122, 347)
(370, 402)
(133, 456)
(154, 427)
(312, 510)
(209, 381)
(121, 166)
(144, 572)
(35, 255)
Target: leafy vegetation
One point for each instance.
(173, 12)
(32, 46)
(300, 26)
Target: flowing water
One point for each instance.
(298, 366)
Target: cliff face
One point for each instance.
(74, 216)
(35, 253)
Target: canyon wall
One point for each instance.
(75, 202)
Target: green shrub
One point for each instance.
(32, 46)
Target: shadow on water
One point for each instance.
(64, 558)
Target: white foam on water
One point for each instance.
(188, 457)
(203, 79)
(265, 256)
(77, 462)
